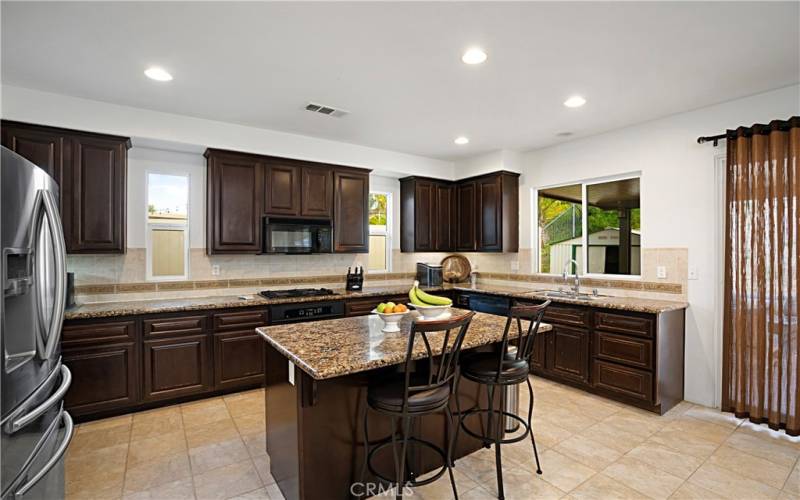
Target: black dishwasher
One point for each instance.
(479, 302)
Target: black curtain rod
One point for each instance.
(757, 128)
(712, 138)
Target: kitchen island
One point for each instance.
(316, 378)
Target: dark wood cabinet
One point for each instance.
(569, 353)
(465, 222)
(351, 211)
(476, 214)
(282, 188)
(104, 359)
(317, 192)
(91, 170)
(176, 367)
(238, 359)
(234, 203)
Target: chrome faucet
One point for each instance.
(577, 286)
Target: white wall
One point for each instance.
(71, 112)
(502, 159)
(678, 188)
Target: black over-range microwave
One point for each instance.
(296, 236)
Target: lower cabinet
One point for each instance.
(238, 359)
(569, 353)
(104, 377)
(176, 367)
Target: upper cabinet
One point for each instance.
(477, 214)
(234, 197)
(91, 170)
(244, 187)
(350, 211)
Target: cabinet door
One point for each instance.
(317, 192)
(351, 212)
(47, 149)
(465, 217)
(282, 188)
(104, 377)
(238, 359)
(568, 350)
(443, 217)
(94, 196)
(489, 211)
(176, 367)
(235, 196)
(539, 345)
(424, 216)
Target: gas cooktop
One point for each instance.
(296, 292)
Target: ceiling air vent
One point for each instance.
(325, 110)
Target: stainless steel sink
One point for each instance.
(572, 295)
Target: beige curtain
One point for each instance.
(761, 349)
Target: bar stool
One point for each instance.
(417, 393)
(498, 370)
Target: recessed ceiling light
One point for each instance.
(461, 140)
(474, 56)
(575, 101)
(158, 74)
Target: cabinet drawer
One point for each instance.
(578, 316)
(623, 349)
(174, 326)
(623, 323)
(362, 307)
(104, 377)
(100, 333)
(630, 382)
(240, 320)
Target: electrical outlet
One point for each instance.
(515, 266)
(693, 273)
(215, 270)
(661, 272)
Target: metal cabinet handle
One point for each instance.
(58, 395)
(68, 429)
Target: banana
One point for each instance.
(412, 296)
(432, 300)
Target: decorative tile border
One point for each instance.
(110, 288)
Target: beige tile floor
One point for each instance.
(589, 447)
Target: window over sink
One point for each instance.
(591, 227)
(380, 232)
(167, 232)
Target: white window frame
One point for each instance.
(584, 225)
(150, 226)
(387, 232)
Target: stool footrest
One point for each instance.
(410, 480)
(496, 414)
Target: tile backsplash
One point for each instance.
(127, 272)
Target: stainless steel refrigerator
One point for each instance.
(35, 428)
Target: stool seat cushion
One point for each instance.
(483, 366)
(388, 396)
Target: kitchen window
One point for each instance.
(167, 232)
(590, 228)
(380, 232)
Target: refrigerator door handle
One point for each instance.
(68, 429)
(59, 248)
(58, 395)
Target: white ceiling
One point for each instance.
(396, 67)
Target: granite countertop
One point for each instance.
(635, 304)
(136, 307)
(336, 347)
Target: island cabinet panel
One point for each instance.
(104, 359)
(282, 188)
(91, 170)
(351, 211)
(176, 367)
(235, 194)
(317, 192)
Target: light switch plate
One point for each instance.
(291, 373)
(661, 272)
(693, 273)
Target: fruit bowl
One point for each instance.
(390, 320)
(432, 312)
